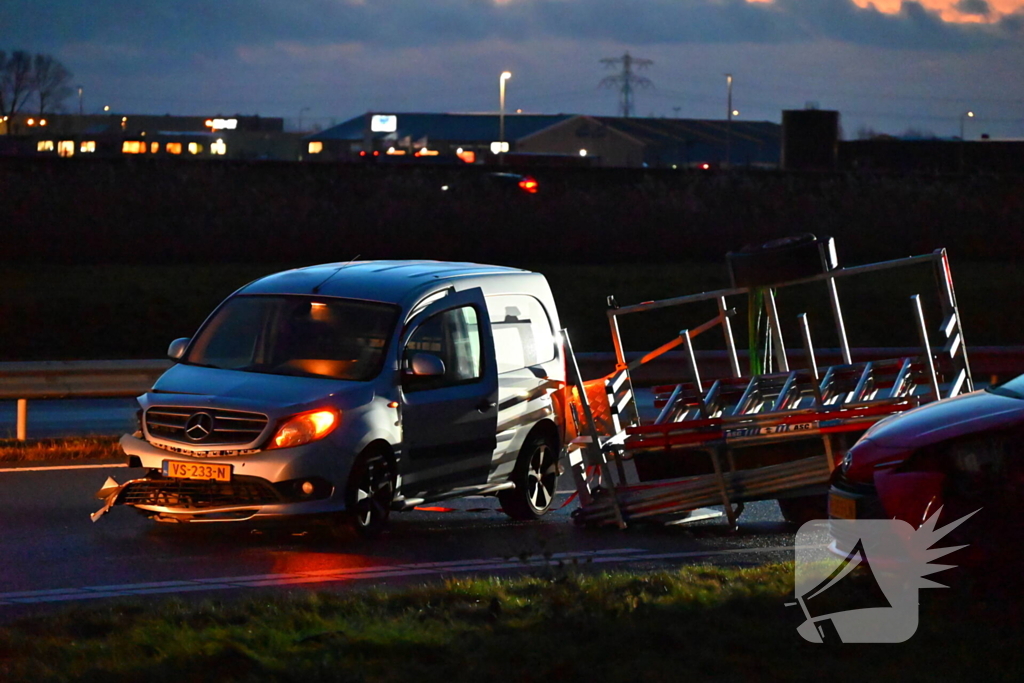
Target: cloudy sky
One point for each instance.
(887, 65)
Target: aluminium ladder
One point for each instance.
(739, 438)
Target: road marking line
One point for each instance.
(140, 586)
(61, 467)
(608, 555)
(730, 551)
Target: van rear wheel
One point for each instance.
(535, 476)
(370, 493)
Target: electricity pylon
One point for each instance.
(626, 81)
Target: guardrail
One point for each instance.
(75, 379)
(26, 381)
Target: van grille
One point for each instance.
(195, 495)
(204, 426)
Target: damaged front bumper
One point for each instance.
(243, 497)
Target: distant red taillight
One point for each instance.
(529, 185)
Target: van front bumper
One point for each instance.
(263, 485)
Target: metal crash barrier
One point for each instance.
(75, 379)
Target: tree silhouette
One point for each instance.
(24, 76)
(16, 82)
(51, 82)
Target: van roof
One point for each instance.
(385, 281)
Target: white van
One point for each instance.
(359, 389)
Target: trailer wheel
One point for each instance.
(799, 511)
(370, 493)
(534, 476)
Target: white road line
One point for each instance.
(354, 573)
(61, 467)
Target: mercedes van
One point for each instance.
(347, 391)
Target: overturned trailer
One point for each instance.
(767, 433)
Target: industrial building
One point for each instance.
(596, 141)
(115, 134)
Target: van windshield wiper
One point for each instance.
(1004, 391)
(201, 365)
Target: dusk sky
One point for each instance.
(887, 65)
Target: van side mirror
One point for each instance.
(425, 365)
(177, 348)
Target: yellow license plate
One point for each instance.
(202, 471)
(841, 507)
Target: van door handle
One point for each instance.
(485, 405)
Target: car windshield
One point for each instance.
(297, 335)
(1014, 388)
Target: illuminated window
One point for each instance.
(66, 148)
(194, 148)
(154, 147)
(219, 147)
(87, 146)
(133, 147)
(316, 147)
(44, 146)
(173, 147)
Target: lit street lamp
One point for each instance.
(505, 75)
(728, 124)
(963, 117)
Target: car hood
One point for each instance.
(966, 414)
(251, 388)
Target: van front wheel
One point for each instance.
(371, 491)
(534, 476)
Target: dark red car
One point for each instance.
(958, 455)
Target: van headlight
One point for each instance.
(305, 428)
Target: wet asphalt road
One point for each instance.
(51, 554)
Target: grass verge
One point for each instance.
(75, 448)
(694, 623)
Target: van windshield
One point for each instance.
(297, 335)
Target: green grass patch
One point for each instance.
(692, 624)
(74, 448)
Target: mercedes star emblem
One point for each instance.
(199, 426)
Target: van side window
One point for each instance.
(454, 337)
(522, 331)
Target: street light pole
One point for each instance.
(80, 107)
(300, 117)
(505, 75)
(728, 122)
(963, 117)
